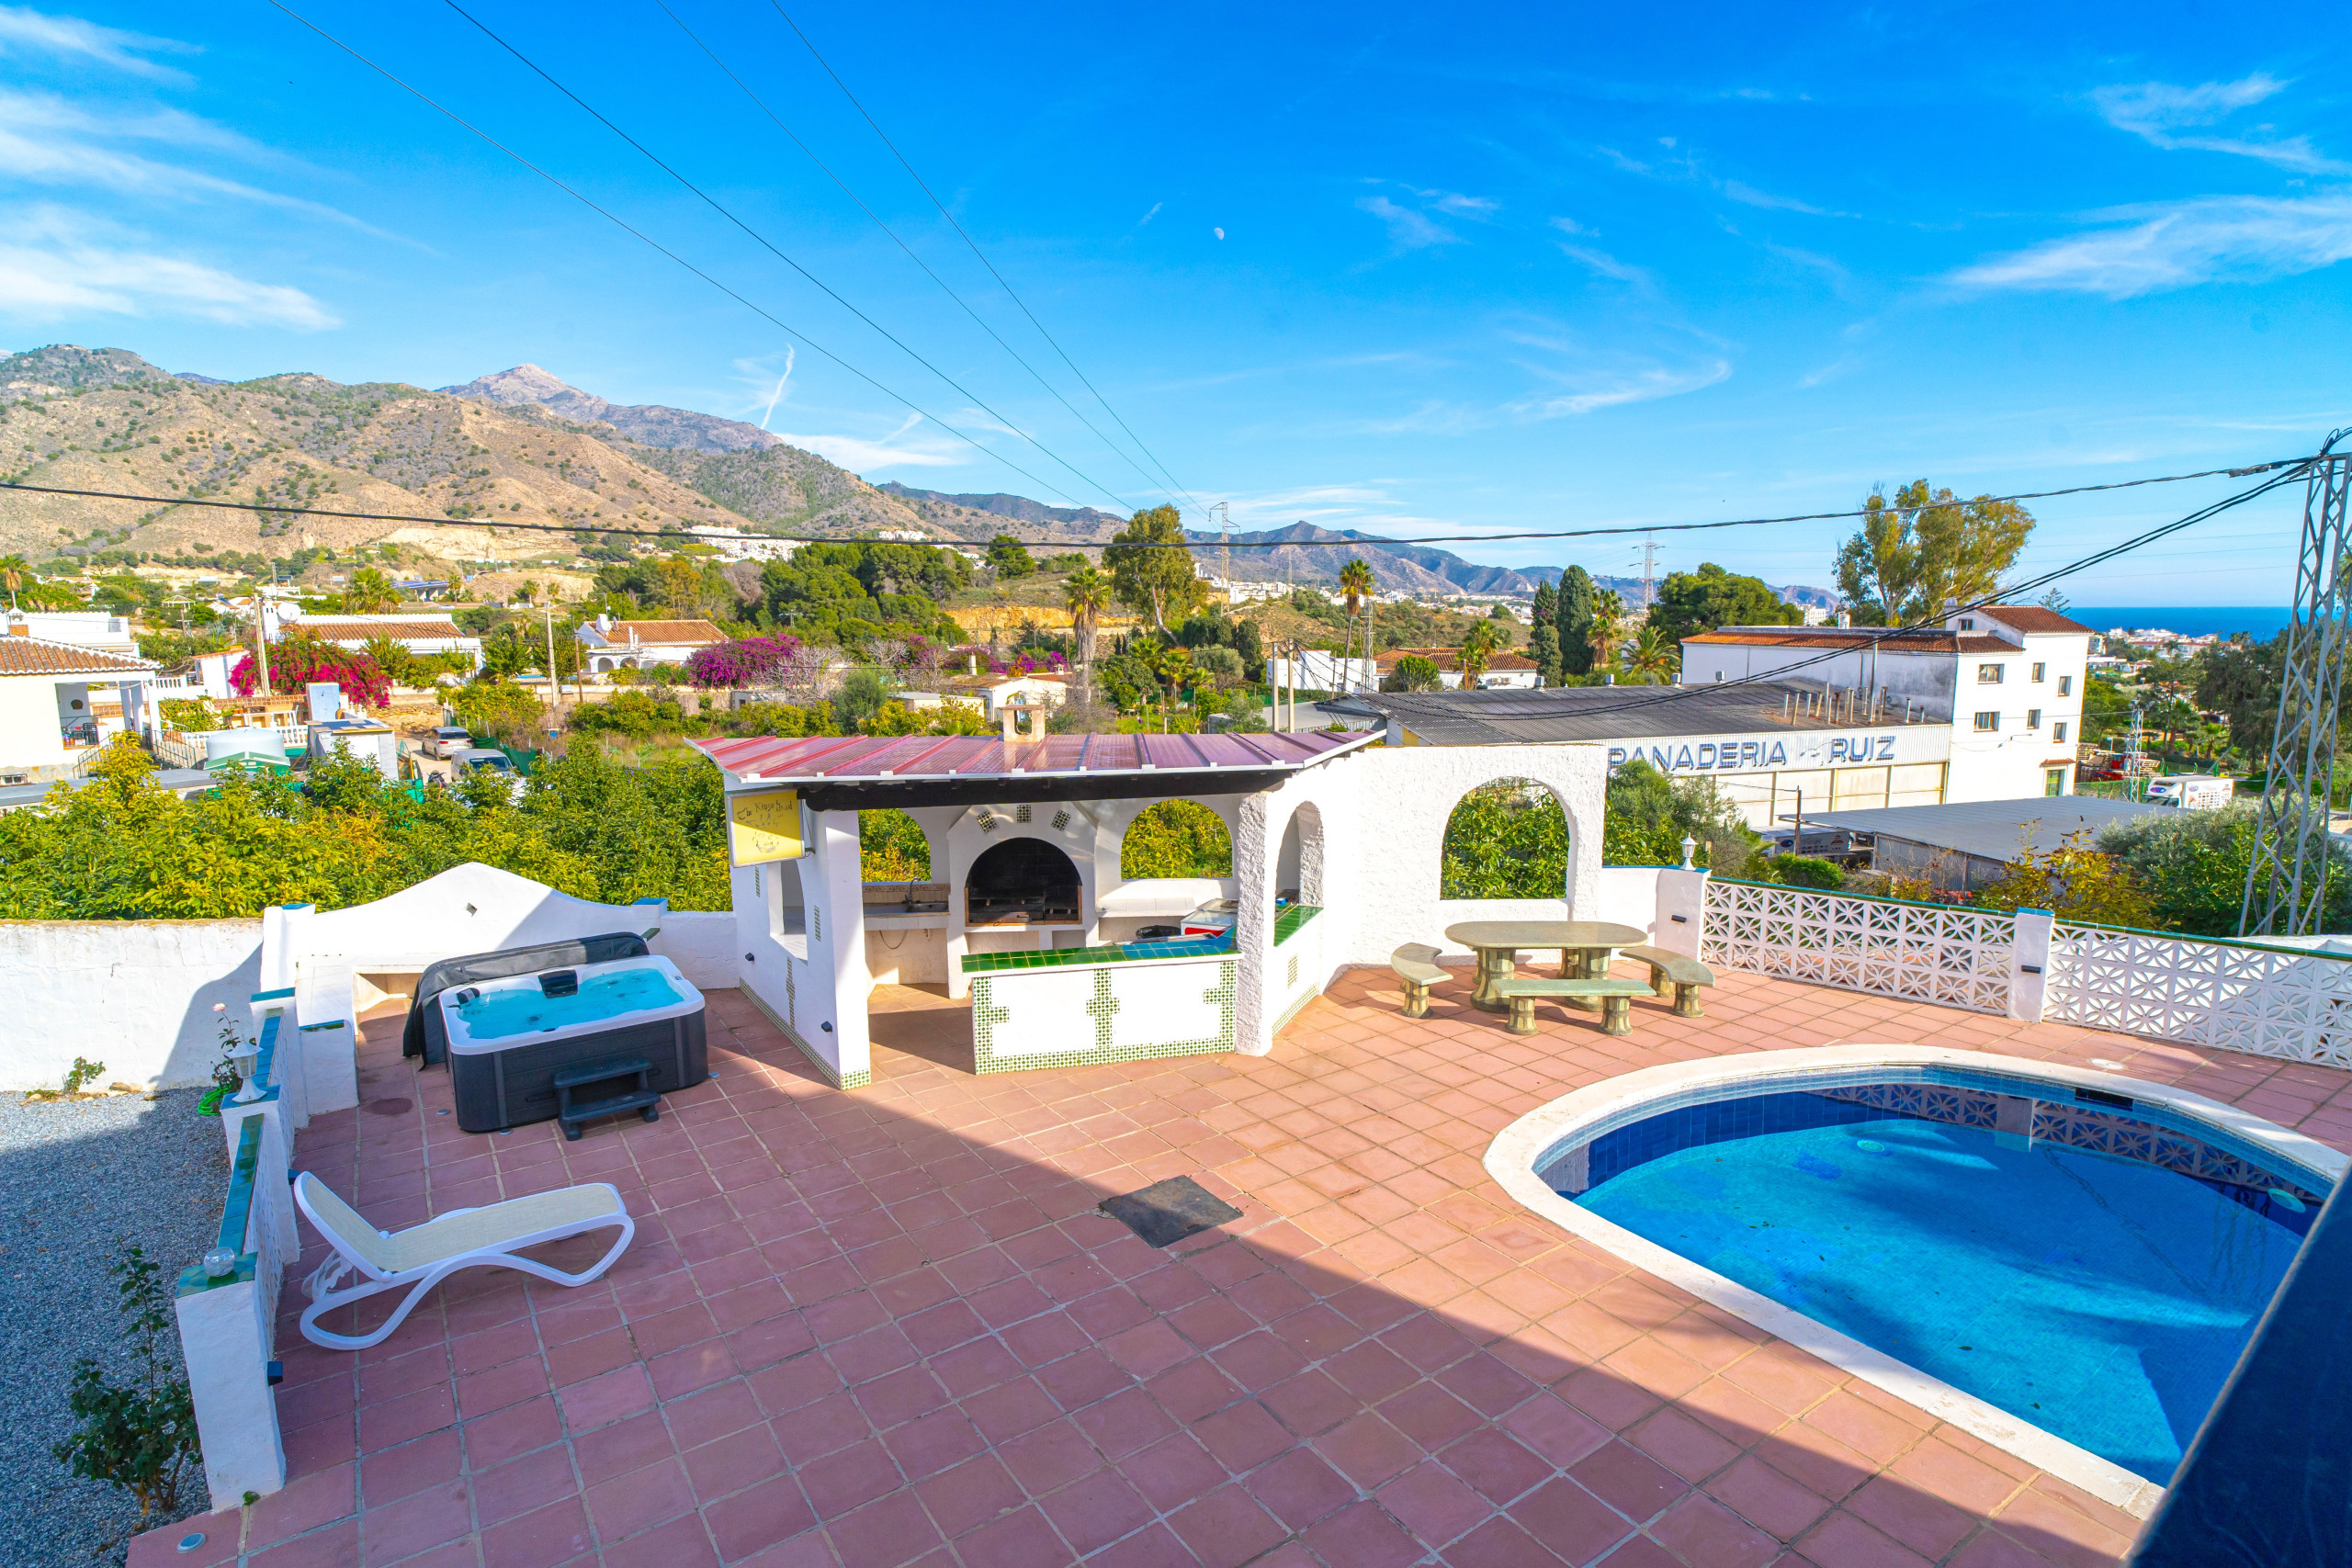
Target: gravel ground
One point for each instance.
(81, 1179)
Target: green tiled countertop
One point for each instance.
(1286, 925)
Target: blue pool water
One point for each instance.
(502, 1014)
(2101, 1298)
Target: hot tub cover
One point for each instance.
(423, 1034)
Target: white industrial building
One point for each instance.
(1814, 718)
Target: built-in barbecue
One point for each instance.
(1022, 882)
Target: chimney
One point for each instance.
(1952, 613)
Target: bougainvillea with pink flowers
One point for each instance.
(298, 660)
(747, 661)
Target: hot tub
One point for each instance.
(510, 1039)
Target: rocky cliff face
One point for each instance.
(652, 423)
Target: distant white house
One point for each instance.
(609, 645)
(1505, 670)
(1320, 670)
(421, 634)
(59, 701)
(734, 544)
(80, 628)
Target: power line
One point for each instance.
(943, 286)
(765, 243)
(2296, 470)
(445, 522)
(633, 232)
(984, 261)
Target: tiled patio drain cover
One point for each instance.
(1167, 1211)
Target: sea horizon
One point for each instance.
(2261, 621)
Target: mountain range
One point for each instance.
(522, 445)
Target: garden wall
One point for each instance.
(136, 995)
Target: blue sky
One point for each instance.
(1402, 269)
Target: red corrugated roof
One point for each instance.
(770, 761)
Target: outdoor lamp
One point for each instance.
(1690, 846)
(242, 1058)
(219, 1262)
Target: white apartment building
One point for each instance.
(2005, 681)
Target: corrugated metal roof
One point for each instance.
(1992, 829)
(853, 759)
(1505, 717)
(38, 656)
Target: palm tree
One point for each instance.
(1477, 649)
(1085, 593)
(12, 576)
(1608, 627)
(370, 594)
(1355, 583)
(1655, 655)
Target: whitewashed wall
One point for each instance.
(811, 982)
(136, 995)
(702, 944)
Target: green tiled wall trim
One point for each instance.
(859, 1079)
(1064, 957)
(1286, 924)
(1103, 1005)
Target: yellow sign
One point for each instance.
(762, 828)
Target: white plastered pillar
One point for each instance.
(837, 941)
(1255, 847)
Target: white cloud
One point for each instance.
(1571, 226)
(1637, 387)
(51, 266)
(45, 140)
(2157, 111)
(1152, 214)
(1408, 229)
(27, 30)
(1601, 262)
(1460, 206)
(1748, 195)
(2211, 239)
(860, 455)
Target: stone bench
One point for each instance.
(1416, 968)
(1616, 1001)
(1672, 971)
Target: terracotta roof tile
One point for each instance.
(38, 656)
(665, 631)
(2034, 618)
(351, 628)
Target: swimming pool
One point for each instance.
(2084, 1254)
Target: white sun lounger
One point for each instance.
(420, 1257)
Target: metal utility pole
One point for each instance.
(555, 684)
(2135, 748)
(2286, 880)
(1649, 572)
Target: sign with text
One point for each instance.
(763, 827)
(1773, 751)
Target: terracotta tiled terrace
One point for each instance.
(889, 1327)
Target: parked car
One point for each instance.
(487, 760)
(448, 741)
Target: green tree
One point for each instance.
(1086, 593)
(1413, 673)
(1010, 558)
(370, 592)
(14, 569)
(1608, 627)
(1548, 603)
(1653, 658)
(138, 1433)
(1574, 622)
(1477, 650)
(2073, 881)
(1151, 568)
(1176, 838)
(862, 695)
(1543, 647)
(1506, 840)
(1923, 546)
(1649, 815)
(891, 847)
(2193, 865)
(1689, 603)
(1355, 586)
(2240, 679)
